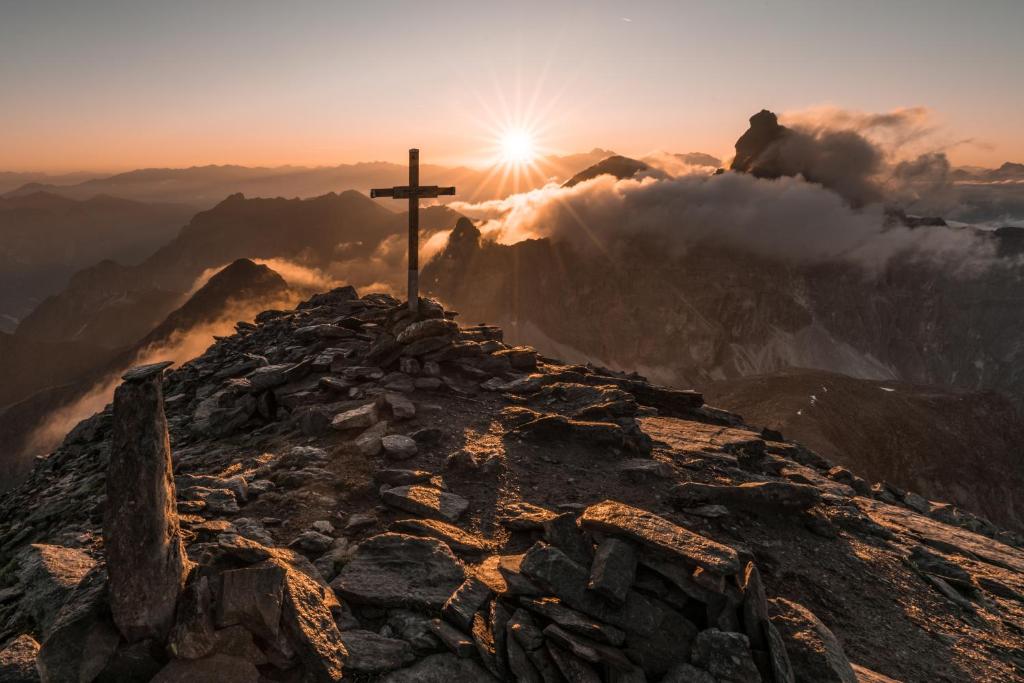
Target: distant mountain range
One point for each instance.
(45, 237)
(204, 186)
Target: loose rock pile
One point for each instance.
(344, 499)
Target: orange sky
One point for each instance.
(117, 85)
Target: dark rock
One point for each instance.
(193, 633)
(454, 639)
(426, 502)
(595, 434)
(588, 650)
(726, 656)
(572, 667)
(138, 662)
(83, 637)
(571, 620)
(568, 580)
(440, 668)
(758, 496)
(761, 632)
(369, 652)
(253, 597)
(521, 630)
(659, 534)
(48, 574)
(18, 661)
(613, 569)
(311, 542)
(814, 651)
(687, 673)
(396, 570)
(564, 533)
(466, 601)
(217, 668)
(414, 628)
(146, 560)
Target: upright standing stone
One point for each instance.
(146, 561)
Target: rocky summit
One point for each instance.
(346, 491)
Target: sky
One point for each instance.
(113, 85)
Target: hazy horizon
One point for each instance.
(111, 86)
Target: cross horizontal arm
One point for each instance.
(405, 192)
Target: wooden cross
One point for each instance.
(413, 191)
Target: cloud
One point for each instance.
(788, 219)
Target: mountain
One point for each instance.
(44, 238)
(347, 492)
(618, 166)
(204, 186)
(12, 180)
(110, 304)
(945, 444)
(50, 386)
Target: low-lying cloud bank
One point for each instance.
(786, 218)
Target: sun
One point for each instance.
(517, 147)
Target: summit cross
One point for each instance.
(413, 192)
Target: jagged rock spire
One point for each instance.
(146, 561)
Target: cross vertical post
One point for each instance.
(413, 191)
(414, 231)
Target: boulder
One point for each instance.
(563, 532)
(661, 535)
(146, 560)
(815, 653)
(369, 652)
(396, 570)
(687, 673)
(18, 661)
(48, 574)
(426, 502)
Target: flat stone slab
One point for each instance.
(461, 542)
(141, 372)
(396, 570)
(426, 502)
(647, 528)
(523, 516)
(761, 495)
(357, 418)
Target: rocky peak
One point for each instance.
(764, 132)
(366, 494)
